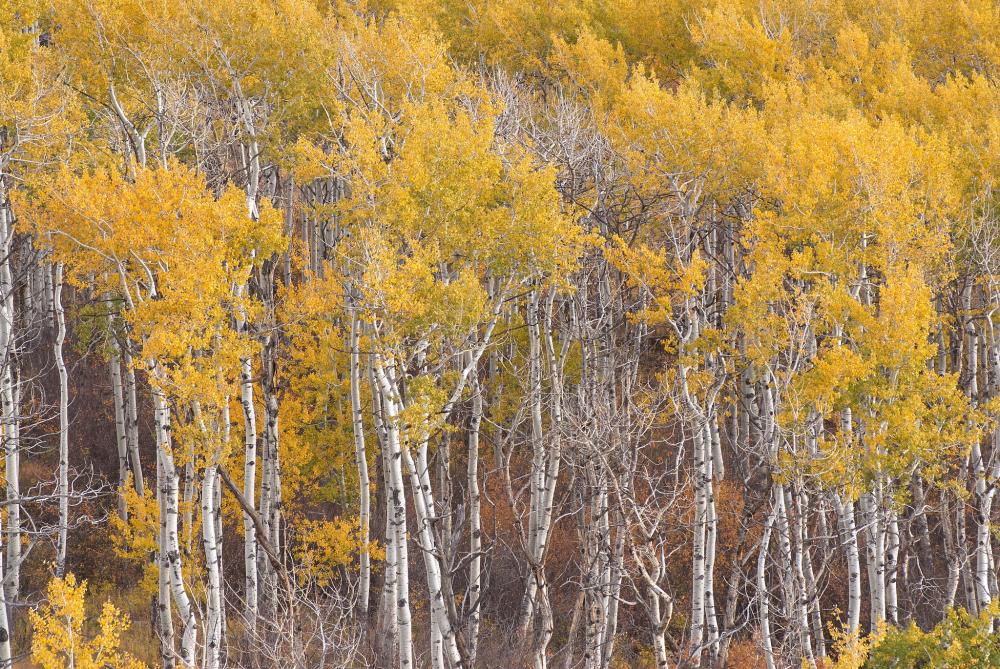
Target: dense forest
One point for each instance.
(571, 334)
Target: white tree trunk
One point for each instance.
(249, 488)
(849, 540)
(397, 503)
(443, 641)
(891, 567)
(387, 625)
(871, 514)
(361, 461)
(63, 487)
(475, 518)
(171, 550)
(132, 420)
(545, 465)
(700, 539)
(213, 560)
(164, 614)
(10, 397)
(121, 438)
(5, 627)
(763, 598)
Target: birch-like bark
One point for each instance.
(63, 485)
(871, 514)
(892, 566)
(213, 617)
(10, 397)
(5, 628)
(249, 488)
(700, 538)
(361, 461)
(121, 438)
(444, 644)
(397, 502)
(132, 420)
(387, 626)
(545, 467)
(164, 614)
(475, 518)
(12, 437)
(171, 550)
(849, 541)
(270, 488)
(763, 598)
(711, 536)
(797, 531)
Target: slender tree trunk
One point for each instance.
(213, 564)
(545, 467)
(361, 461)
(698, 557)
(171, 551)
(849, 540)
(12, 436)
(397, 502)
(121, 438)
(164, 615)
(249, 488)
(132, 420)
(63, 488)
(891, 567)
(763, 598)
(475, 518)
(387, 625)
(10, 398)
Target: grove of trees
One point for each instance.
(423, 333)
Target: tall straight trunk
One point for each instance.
(698, 546)
(270, 486)
(849, 540)
(12, 435)
(965, 559)
(951, 551)
(190, 484)
(763, 598)
(545, 465)
(10, 397)
(810, 588)
(121, 437)
(871, 514)
(164, 614)
(892, 567)
(444, 643)
(63, 486)
(5, 627)
(170, 551)
(249, 488)
(475, 518)
(983, 501)
(798, 558)
(361, 461)
(217, 517)
(711, 536)
(132, 419)
(386, 624)
(213, 559)
(797, 624)
(397, 503)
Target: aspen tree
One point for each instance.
(63, 487)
